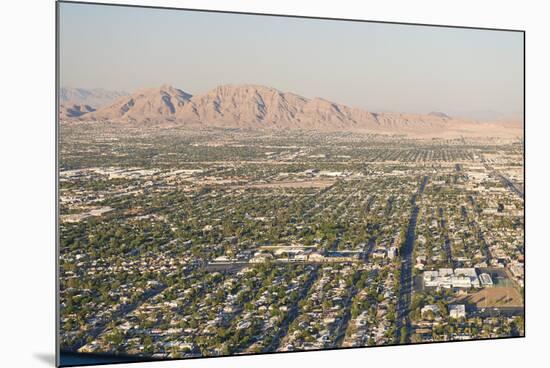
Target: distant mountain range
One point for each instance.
(75, 102)
(97, 97)
(261, 107)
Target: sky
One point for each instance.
(375, 66)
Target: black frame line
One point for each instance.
(139, 359)
(56, 179)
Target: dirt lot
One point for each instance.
(290, 184)
(494, 297)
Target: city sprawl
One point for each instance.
(203, 242)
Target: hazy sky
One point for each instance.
(381, 67)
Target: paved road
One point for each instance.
(474, 226)
(406, 280)
(389, 206)
(122, 311)
(447, 243)
(226, 267)
(343, 326)
(511, 185)
(292, 314)
(507, 181)
(369, 247)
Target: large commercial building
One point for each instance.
(447, 278)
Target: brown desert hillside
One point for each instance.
(74, 111)
(144, 105)
(261, 107)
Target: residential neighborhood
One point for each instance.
(300, 242)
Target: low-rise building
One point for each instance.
(433, 308)
(486, 280)
(461, 278)
(392, 252)
(457, 311)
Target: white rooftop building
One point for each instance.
(470, 273)
(429, 308)
(486, 280)
(463, 278)
(457, 311)
(461, 282)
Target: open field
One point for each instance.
(495, 297)
(288, 184)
